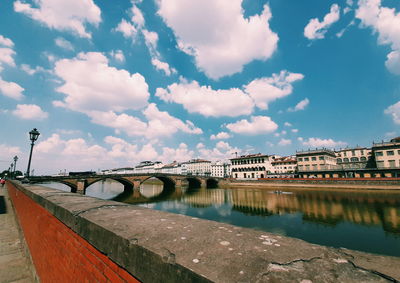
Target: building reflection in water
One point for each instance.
(324, 207)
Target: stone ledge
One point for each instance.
(157, 246)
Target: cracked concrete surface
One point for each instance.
(157, 246)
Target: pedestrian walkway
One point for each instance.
(15, 266)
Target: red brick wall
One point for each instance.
(58, 253)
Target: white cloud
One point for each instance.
(151, 39)
(222, 151)
(390, 134)
(30, 71)
(64, 44)
(300, 106)
(257, 125)
(92, 85)
(6, 57)
(162, 124)
(224, 40)
(11, 89)
(287, 124)
(317, 142)
(266, 90)
(8, 152)
(220, 136)
(137, 17)
(127, 29)
(386, 22)
(295, 130)
(284, 142)
(68, 15)
(159, 123)
(29, 112)
(4, 41)
(206, 101)
(118, 55)
(316, 29)
(393, 62)
(394, 111)
(180, 154)
(163, 66)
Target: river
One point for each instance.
(360, 220)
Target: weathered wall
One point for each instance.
(76, 238)
(59, 254)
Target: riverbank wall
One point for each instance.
(78, 238)
(349, 183)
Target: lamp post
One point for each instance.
(15, 164)
(33, 136)
(11, 170)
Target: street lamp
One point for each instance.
(33, 136)
(15, 163)
(11, 170)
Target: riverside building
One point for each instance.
(252, 166)
(285, 166)
(197, 167)
(313, 163)
(220, 169)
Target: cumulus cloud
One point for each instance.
(386, 23)
(266, 90)
(6, 52)
(207, 101)
(90, 84)
(127, 29)
(226, 40)
(64, 44)
(31, 71)
(159, 123)
(300, 106)
(118, 55)
(8, 152)
(29, 112)
(180, 154)
(64, 15)
(221, 151)
(163, 66)
(316, 29)
(256, 126)
(220, 136)
(394, 112)
(11, 89)
(284, 142)
(317, 142)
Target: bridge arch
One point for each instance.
(72, 186)
(128, 186)
(193, 182)
(212, 183)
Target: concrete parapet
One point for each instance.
(155, 246)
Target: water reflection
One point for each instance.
(367, 221)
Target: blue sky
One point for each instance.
(112, 83)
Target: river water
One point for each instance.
(367, 221)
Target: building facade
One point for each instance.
(252, 166)
(220, 169)
(285, 166)
(354, 158)
(315, 161)
(197, 167)
(387, 154)
(146, 167)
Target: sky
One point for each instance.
(111, 83)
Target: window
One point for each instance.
(306, 159)
(353, 152)
(345, 160)
(354, 159)
(390, 153)
(313, 158)
(314, 166)
(392, 163)
(379, 164)
(339, 160)
(321, 158)
(301, 159)
(378, 153)
(363, 158)
(245, 175)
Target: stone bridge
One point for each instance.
(132, 182)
